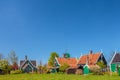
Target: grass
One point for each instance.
(57, 77)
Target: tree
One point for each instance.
(13, 57)
(4, 65)
(101, 64)
(15, 66)
(51, 61)
(42, 69)
(1, 56)
(63, 67)
(13, 60)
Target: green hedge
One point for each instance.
(16, 72)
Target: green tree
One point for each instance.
(101, 64)
(51, 61)
(4, 65)
(1, 56)
(63, 67)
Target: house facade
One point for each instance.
(115, 62)
(90, 60)
(84, 62)
(28, 66)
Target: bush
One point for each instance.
(60, 73)
(43, 70)
(96, 71)
(79, 72)
(16, 72)
(63, 67)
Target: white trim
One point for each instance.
(79, 58)
(31, 67)
(23, 63)
(31, 63)
(98, 57)
(57, 61)
(28, 63)
(112, 58)
(86, 65)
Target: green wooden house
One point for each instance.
(28, 66)
(115, 62)
(89, 61)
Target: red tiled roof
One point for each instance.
(91, 58)
(72, 62)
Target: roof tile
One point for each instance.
(72, 62)
(91, 58)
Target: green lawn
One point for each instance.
(57, 77)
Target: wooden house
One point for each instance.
(90, 60)
(115, 62)
(28, 66)
(66, 59)
(85, 62)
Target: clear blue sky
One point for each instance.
(38, 27)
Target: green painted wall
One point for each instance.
(86, 70)
(119, 69)
(113, 67)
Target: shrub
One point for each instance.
(16, 72)
(43, 69)
(63, 67)
(96, 71)
(79, 72)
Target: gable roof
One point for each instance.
(92, 58)
(116, 58)
(26, 62)
(72, 62)
(32, 61)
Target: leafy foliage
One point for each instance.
(1, 56)
(79, 72)
(15, 66)
(16, 72)
(63, 67)
(96, 71)
(4, 65)
(101, 64)
(42, 69)
(51, 61)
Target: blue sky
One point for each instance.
(38, 27)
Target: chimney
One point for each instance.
(91, 51)
(64, 55)
(26, 57)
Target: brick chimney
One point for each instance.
(91, 51)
